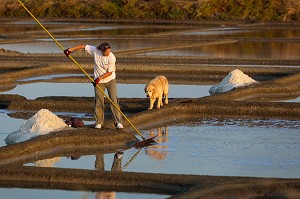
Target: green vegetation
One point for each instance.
(268, 10)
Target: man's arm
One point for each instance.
(97, 80)
(68, 51)
(105, 75)
(76, 48)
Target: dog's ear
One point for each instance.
(145, 89)
(154, 89)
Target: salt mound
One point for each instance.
(43, 122)
(234, 79)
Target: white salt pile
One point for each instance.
(43, 122)
(234, 79)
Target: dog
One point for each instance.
(157, 89)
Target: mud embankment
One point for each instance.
(185, 186)
(249, 102)
(193, 70)
(69, 142)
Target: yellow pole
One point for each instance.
(80, 67)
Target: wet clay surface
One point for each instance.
(184, 186)
(250, 102)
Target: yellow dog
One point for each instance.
(157, 89)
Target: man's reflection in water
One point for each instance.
(162, 137)
(116, 167)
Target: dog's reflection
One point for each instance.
(162, 138)
(47, 162)
(106, 195)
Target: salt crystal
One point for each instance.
(43, 122)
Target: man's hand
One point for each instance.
(67, 52)
(96, 81)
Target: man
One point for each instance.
(105, 77)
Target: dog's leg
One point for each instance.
(151, 103)
(159, 102)
(166, 98)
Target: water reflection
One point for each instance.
(116, 167)
(92, 28)
(8, 125)
(214, 31)
(47, 162)
(91, 32)
(161, 139)
(277, 50)
(47, 46)
(229, 147)
(232, 32)
(111, 30)
(288, 33)
(99, 165)
(35, 90)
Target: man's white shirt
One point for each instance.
(103, 64)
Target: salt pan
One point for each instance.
(43, 122)
(234, 79)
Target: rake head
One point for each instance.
(145, 142)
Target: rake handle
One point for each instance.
(80, 67)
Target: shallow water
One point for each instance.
(289, 33)
(95, 28)
(276, 50)
(293, 100)
(86, 33)
(87, 90)
(48, 46)
(258, 49)
(260, 148)
(17, 193)
(90, 33)
(228, 148)
(8, 125)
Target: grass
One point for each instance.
(267, 10)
